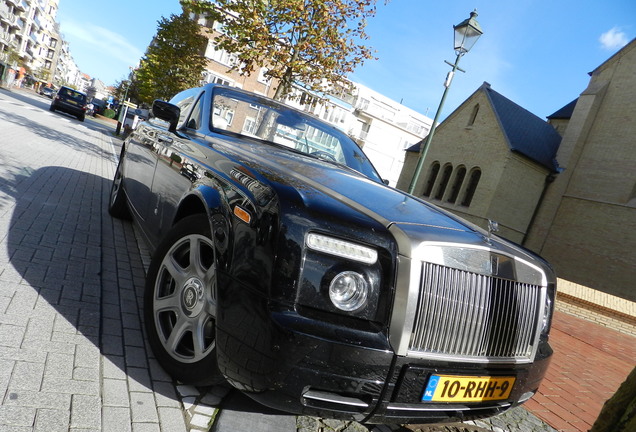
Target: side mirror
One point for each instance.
(166, 112)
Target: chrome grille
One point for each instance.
(473, 316)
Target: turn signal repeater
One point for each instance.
(242, 214)
(341, 248)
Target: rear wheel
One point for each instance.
(117, 206)
(81, 117)
(180, 303)
(52, 108)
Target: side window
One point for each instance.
(195, 118)
(184, 101)
(473, 116)
(457, 184)
(184, 105)
(431, 179)
(473, 181)
(446, 173)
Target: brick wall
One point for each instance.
(596, 306)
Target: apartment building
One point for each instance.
(30, 43)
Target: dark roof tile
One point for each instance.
(526, 133)
(565, 112)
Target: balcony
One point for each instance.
(6, 15)
(5, 37)
(22, 5)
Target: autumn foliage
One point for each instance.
(315, 42)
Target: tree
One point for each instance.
(314, 42)
(43, 74)
(173, 62)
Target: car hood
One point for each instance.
(313, 180)
(340, 190)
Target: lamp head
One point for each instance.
(466, 34)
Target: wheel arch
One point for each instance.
(208, 200)
(200, 200)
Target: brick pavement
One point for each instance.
(590, 362)
(72, 352)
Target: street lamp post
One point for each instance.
(466, 34)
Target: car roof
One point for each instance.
(72, 89)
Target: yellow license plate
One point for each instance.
(454, 388)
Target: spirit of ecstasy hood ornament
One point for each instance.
(493, 227)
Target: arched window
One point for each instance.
(431, 179)
(473, 180)
(473, 115)
(441, 188)
(460, 174)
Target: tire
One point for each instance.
(180, 303)
(117, 205)
(81, 117)
(52, 108)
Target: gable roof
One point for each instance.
(525, 132)
(565, 112)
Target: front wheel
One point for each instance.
(180, 303)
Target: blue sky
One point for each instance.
(538, 53)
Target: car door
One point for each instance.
(139, 167)
(178, 167)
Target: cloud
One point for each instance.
(613, 39)
(103, 41)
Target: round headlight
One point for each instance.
(348, 291)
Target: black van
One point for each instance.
(70, 101)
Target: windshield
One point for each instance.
(72, 94)
(261, 118)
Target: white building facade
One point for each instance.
(32, 51)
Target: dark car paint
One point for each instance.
(99, 106)
(70, 101)
(270, 309)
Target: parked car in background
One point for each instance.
(47, 91)
(284, 265)
(99, 106)
(70, 101)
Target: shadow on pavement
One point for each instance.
(83, 267)
(87, 267)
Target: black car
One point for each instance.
(284, 265)
(99, 106)
(70, 101)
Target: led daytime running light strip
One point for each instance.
(344, 249)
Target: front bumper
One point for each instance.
(303, 365)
